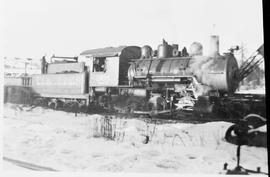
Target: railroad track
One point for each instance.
(168, 119)
(175, 116)
(27, 165)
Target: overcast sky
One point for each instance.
(32, 28)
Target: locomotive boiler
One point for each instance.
(182, 79)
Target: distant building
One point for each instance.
(15, 67)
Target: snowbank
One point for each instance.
(64, 142)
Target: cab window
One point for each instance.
(99, 64)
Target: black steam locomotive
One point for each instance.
(139, 80)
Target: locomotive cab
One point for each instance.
(108, 71)
(108, 66)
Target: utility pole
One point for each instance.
(27, 61)
(25, 66)
(242, 50)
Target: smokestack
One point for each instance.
(214, 46)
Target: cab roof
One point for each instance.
(110, 51)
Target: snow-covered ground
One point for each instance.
(64, 142)
(243, 90)
(252, 88)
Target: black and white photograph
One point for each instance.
(133, 87)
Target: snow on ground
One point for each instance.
(64, 142)
(249, 90)
(252, 91)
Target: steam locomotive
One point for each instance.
(139, 80)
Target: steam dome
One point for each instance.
(196, 48)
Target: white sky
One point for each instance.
(32, 28)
